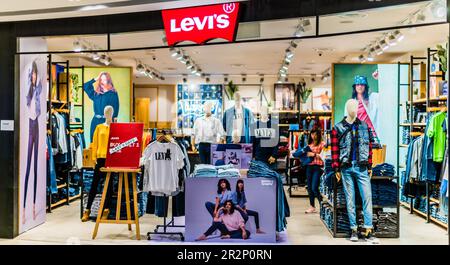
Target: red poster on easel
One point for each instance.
(124, 146)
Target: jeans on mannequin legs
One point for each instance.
(362, 178)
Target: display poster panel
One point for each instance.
(103, 86)
(32, 140)
(253, 210)
(124, 145)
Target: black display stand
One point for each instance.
(164, 226)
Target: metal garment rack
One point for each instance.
(166, 225)
(414, 61)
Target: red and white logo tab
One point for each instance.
(201, 24)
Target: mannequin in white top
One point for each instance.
(207, 130)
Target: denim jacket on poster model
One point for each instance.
(341, 149)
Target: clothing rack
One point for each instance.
(429, 105)
(166, 225)
(290, 167)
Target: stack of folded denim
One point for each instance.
(229, 173)
(436, 213)
(420, 203)
(384, 169)
(326, 214)
(203, 170)
(343, 223)
(261, 170)
(406, 136)
(384, 193)
(385, 222)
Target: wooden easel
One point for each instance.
(123, 176)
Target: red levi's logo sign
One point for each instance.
(124, 146)
(201, 24)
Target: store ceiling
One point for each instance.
(266, 57)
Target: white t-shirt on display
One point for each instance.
(162, 162)
(207, 130)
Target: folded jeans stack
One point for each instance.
(203, 170)
(384, 193)
(232, 173)
(384, 169)
(385, 222)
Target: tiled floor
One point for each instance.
(63, 226)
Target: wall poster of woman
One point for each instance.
(33, 91)
(102, 92)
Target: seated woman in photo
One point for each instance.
(230, 224)
(241, 202)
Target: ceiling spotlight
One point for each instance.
(225, 78)
(148, 73)
(384, 45)
(313, 78)
(391, 40)
(244, 77)
(283, 74)
(193, 70)
(361, 58)
(324, 79)
(95, 56)
(77, 47)
(438, 9)
(299, 31)
(398, 35)
(173, 52)
(140, 68)
(198, 73)
(102, 58)
(286, 79)
(189, 65)
(285, 66)
(107, 61)
(184, 59)
(208, 79)
(261, 79)
(420, 18)
(282, 70)
(293, 44)
(184, 79)
(378, 50)
(289, 53)
(370, 57)
(162, 78)
(306, 24)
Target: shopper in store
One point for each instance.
(102, 92)
(351, 150)
(33, 99)
(314, 169)
(207, 130)
(229, 222)
(367, 103)
(265, 139)
(99, 147)
(241, 205)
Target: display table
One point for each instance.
(123, 176)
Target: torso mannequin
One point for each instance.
(352, 110)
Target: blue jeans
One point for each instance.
(360, 174)
(33, 148)
(313, 173)
(204, 151)
(236, 234)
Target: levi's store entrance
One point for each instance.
(261, 133)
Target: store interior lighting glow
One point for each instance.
(392, 40)
(378, 50)
(95, 56)
(173, 52)
(287, 60)
(108, 61)
(398, 35)
(438, 9)
(285, 66)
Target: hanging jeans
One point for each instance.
(313, 173)
(33, 148)
(237, 234)
(204, 151)
(94, 187)
(51, 173)
(362, 178)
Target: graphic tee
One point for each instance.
(162, 162)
